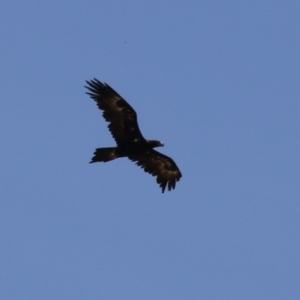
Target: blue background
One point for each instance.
(218, 83)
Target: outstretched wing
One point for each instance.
(121, 116)
(159, 165)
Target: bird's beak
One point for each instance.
(162, 144)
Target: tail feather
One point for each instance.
(104, 154)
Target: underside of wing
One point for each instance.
(121, 116)
(157, 164)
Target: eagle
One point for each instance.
(124, 128)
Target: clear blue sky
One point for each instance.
(218, 83)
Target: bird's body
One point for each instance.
(124, 128)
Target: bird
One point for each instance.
(124, 128)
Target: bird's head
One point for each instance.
(154, 144)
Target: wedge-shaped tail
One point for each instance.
(104, 154)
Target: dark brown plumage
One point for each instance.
(124, 128)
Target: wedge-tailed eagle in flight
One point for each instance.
(124, 128)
